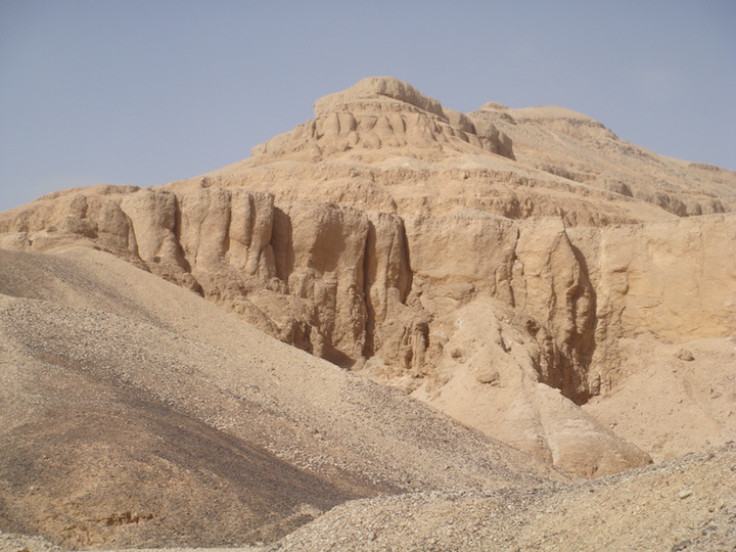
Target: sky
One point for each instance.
(147, 92)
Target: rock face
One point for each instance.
(498, 255)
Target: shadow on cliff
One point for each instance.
(585, 345)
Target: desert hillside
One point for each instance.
(136, 413)
(515, 276)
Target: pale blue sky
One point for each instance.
(146, 92)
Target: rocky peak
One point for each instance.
(387, 115)
(377, 89)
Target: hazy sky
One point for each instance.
(146, 92)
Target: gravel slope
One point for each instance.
(684, 504)
(137, 414)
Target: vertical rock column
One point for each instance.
(550, 284)
(326, 260)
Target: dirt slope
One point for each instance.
(136, 413)
(685, 505)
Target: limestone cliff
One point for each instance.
(480, 261)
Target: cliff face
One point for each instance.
(447, 254)
(344, 284)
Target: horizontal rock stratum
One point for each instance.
(525, 271)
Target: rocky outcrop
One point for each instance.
(489, 376)
(385, 113)
(328, 278)
(92, 214)
(473, 260)
(579, 149)
(354, 287)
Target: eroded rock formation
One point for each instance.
(473, 260)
